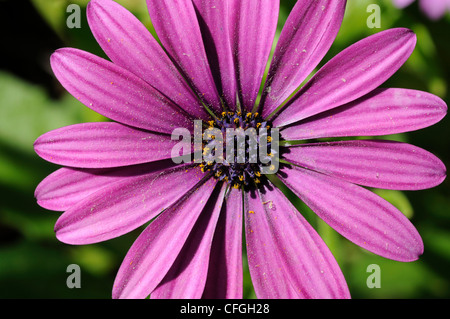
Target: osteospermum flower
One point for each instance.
(120, 175)
(434, 9)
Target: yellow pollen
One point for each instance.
(258, 174)
(251, 212)
(241, 178)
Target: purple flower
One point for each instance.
(434, 9)
(120, 175)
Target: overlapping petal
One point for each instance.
(305, 39)
(352, 73)
(381, 112)
(187, 277)
(253, 24)
(287, 258)
(225, 276)
(116, 92)
(129, 44)
(176, 24)
(214, 21)
(376, 163)
(104, 144)
(357, 214)
(125, 205)
(155, 250)
(67, 186)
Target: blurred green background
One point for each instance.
(33, 262)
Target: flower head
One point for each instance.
(120, 175)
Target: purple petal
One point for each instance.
(357, 214)
(434, 9)
(381, 112)
(305, 39)
(177, 26)
(115, 92)
(102, 145)
(225, 265)
(125, 205)
(381, 164)
(155, 250)
(187, 277)
(129, 44)
(67, 187)
(253, 23)
(213, 16)
(354, 72)
(287, 258)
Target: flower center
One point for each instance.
(237, 149)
